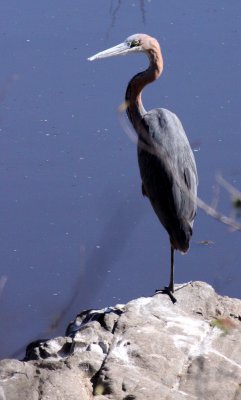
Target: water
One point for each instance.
(75, 230)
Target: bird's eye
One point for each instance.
(134, 43)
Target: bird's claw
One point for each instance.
(167, 290)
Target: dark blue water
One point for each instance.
(75, 230)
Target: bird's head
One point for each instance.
(139, 42)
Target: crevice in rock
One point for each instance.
(67, 349)
(33, 350)
(88, 316)
(95, 381)
(50, 365)
(40, 388)
(114, 327)
(95, 378)
(238, 317)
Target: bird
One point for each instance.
(166, 161)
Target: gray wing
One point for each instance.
(168, 171)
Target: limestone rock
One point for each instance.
(149, 348)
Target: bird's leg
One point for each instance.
(171, 284)
(170, 288)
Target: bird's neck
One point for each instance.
(135, 109)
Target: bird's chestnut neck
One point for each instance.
(135, 108)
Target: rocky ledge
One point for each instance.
(149, 348)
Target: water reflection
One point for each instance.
(110, 246)
(115, 6)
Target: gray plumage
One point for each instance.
(168, 173)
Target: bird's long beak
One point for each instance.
(120, 49)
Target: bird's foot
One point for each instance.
(167, 290)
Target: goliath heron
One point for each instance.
(166, 161)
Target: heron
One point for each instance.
(166, 161)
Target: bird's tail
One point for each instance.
(180, 236)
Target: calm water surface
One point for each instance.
(75, 230)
